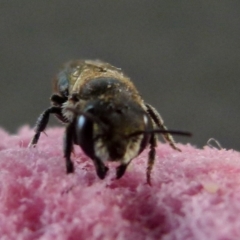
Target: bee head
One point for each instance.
(111, 131)
(105, 130)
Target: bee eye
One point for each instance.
(81, 122)
(84, 135)
(146, 121)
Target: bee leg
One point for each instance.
(101, 169)
(58, 100)
(151, 157)
(121, 169)
(68, 147)
(159, 122)
(42, 122)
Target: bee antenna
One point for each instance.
(161, 131)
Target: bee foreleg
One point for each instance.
(42, 123)
(121, 169)
(68, 147)
(151, 157)
(159, 122)
(101, 169)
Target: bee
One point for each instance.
(105, 115)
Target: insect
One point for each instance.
(105, 115)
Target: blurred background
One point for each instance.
(183, 56)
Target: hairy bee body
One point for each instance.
(88, 80)
(104, 114)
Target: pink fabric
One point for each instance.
(195, 194)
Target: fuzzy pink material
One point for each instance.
(195, 194)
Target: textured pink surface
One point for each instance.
(195, 194)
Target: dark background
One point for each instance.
(183, 56)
